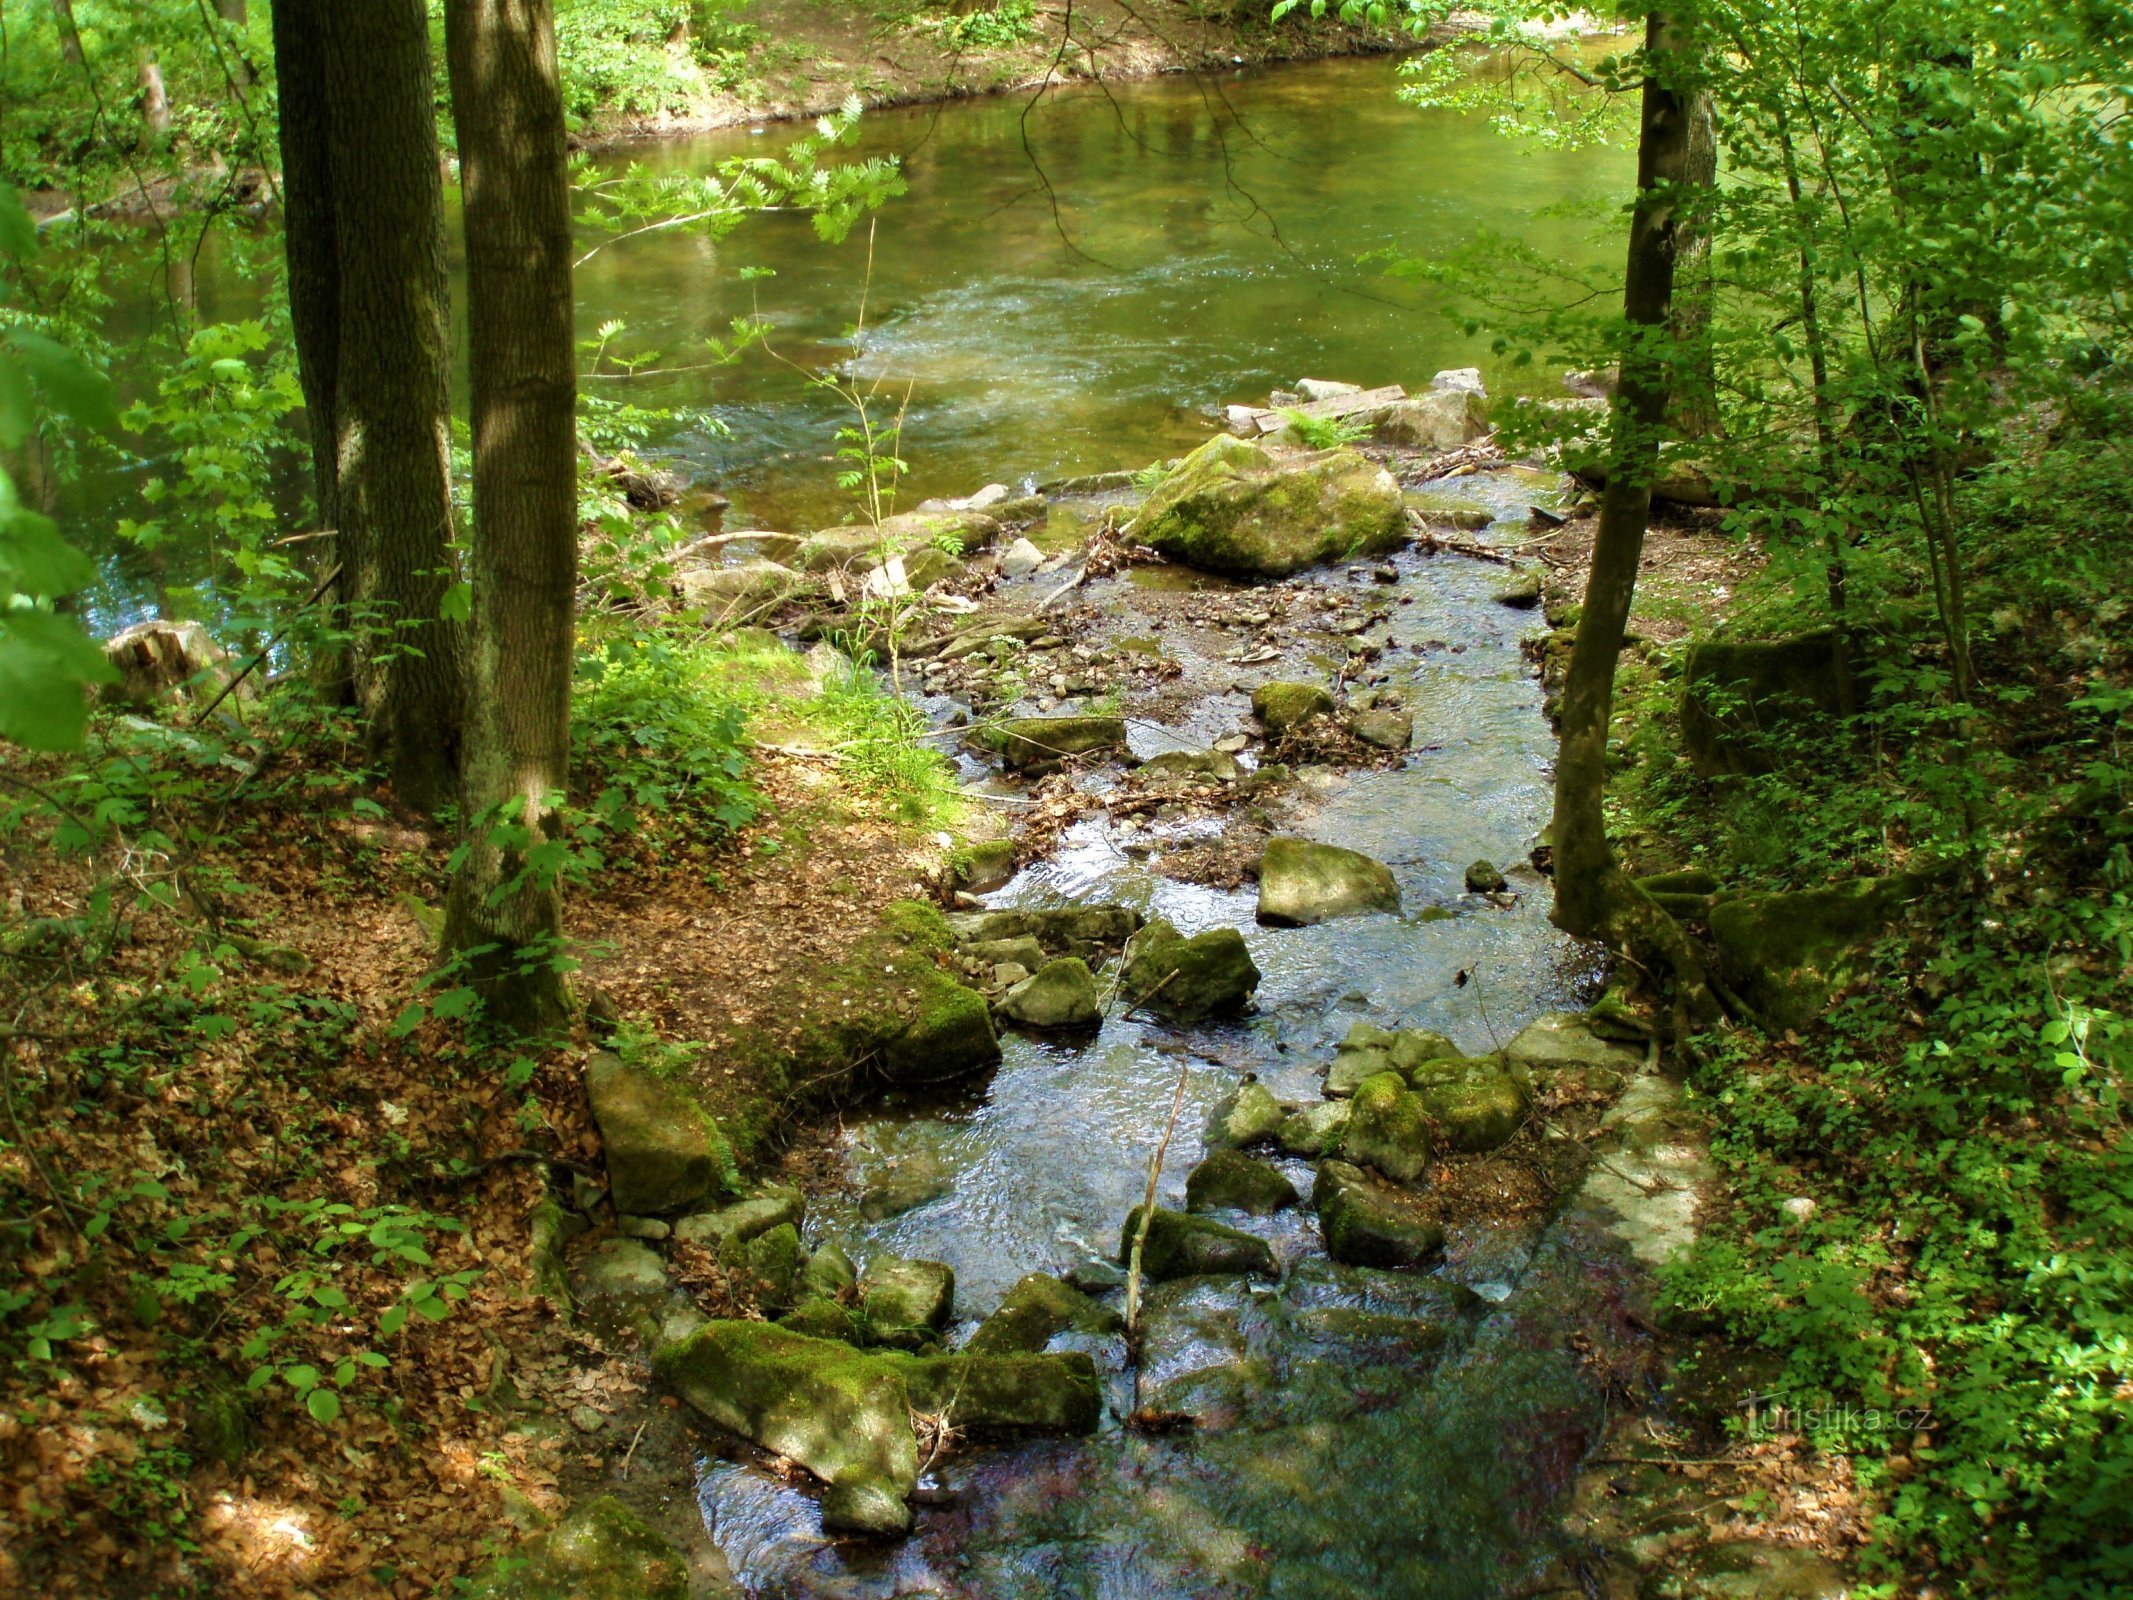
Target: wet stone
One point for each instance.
(1229, 1180)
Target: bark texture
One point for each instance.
(509, 108)
(369, 297)
(1694, 408)
(1594, 898)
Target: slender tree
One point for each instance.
(1694, 408)
(1593, 896)
(505, 909)
(369, 296)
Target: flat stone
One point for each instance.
(1302, 882)
(907, 1302)
(1383, 730)
(737, 1224)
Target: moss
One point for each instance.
(1230, 507)
(218, 1427)
(1786, 953)
(1388, 1129)
(1036, 1308)
(1182, 1246)
(1229, 1180)
(1474, 1105)
(774, 1260)
(1282, 706)
(1737, 694)
(1005, 1393)
(1210, 974)
(1415, 1048)
(1367, 1224)
(1041, 744)
(601, 1551)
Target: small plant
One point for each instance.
(1323, 433)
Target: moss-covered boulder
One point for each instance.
(663, 1152)
(1785, 954)
(841, 1413)
(1521, 591)
(1371, 1224)
(1231, 507)
(907, 1303)
(829, 1271)
(1388, 1129)
(1024, 952)
(771, 1206)
(1005, 1393)
(1475, 1105)
(1301, 883)
(1230, 1180)
(984, 865)
(1038, 1307)
(821, 1318)
(1043, 744)
(1739, 698)
(1061, 994)
(1483, 877)
(1090, 932)
(1248, 1114)
(1176, 767)
(601, 1551)
(774, 1261)
(1209, 975)
(1282, 706)
(1184, 1246)
(1314, 1130)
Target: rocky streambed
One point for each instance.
(1267, 901)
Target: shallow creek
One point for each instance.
(1358, 1431)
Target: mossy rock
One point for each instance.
(1315, 1130)
(1483, 877)
(1415, 1048)
(1388, 1129)
(601, 1551)
(1188, 766)
(1382, 728)
(1785, 954)
(663, 1153)
(1185, 1246)
(1012, 1394)
(1370, 1224)
(1043, 744)
(1062, 994)
(1248, 1114)
(1024, 952)
(819, 1317)
(907, 1303)
(1229, 1180)
(1231, 507)
(1475, 1105)
(771, 1206)
(1445, 509)
(1090, 932)
(1282, 706)
(1521, 592)
(1209, 975)
(1302, 882)
(984, 866)
(1739, 697)
(774, 1261)
(1038, 1307)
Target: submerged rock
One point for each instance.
(1388, 1129)
(907, 1303)
(1042, 744)
(1787, 953)
(1181, 1245)
(1209, 975)
(1314, 1130)
(1301, 883)
(1246, 1115)
(1476, 1105)
(1229, 1180)
(1383, 729)
(1231, 507)
(1061, 995)
(1282, 706)
(1036, 1308)
(601, 1551)
(913, 1181)
(662, 1149)
(1369, 1224)
(1483, 878)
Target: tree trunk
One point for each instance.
(231, 11)
(1694, 411)
(1593, 896)
(69, 33)
(508, 103)
(368, 295)
(155, 104)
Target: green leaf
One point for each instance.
(18, 234)
(70, 385)
(323, 1404)
(393, 1319)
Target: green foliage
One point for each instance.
(1323, 433)
(44, 660)
(654, 729)
(615, 56)
(1001, 27)
(884, 745)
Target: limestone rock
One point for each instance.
(662, 1149)
(1230, 507)
(1564, 1040)
(1314, 1130)
(601, 1551)
(1282, 706)
(1785, 954)
(1036, 1308)
(770, 1207)
(619, 1269)
(1441, 420)
(1388, 1129)
(1020, 559)
(1060, 995)
(723, 589)
(1229, 1180)
(907, 1302)
(863, 545)
(1736, 697)
(1042, 744)
(1370, 1224)
(1211, 974)
(1301, 883)
(1475, 1105)
(1184, 1246)
(1246, 1115)
(1219, 765)
(1090, 932)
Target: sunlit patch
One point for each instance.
(261, 1534)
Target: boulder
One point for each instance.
(1229, 1180)
(1475, 1105)
(907, 1303)
(914, 1180)
(1062, 994)
(1736, 697)
(1441, 420)
(620, 1269)
(723, 589)
(1383, 729)
(1364, 1053)
(1522, 591)
(1090, 932)
(1005, 1393)
(601, 1551)
(1036, 1308)
(1282, 706)
(1020, 559)
(1301, 883)
(860, 544)
(152, 658)
(663, 1151)
(829, 1272)
(774, 1261)
(1184, 1246)
(1460, 380)
(1565, 1041)
(1313, 389)
(1785, 954)
(772, 1206)
(1388, 1129)
(947, 1035)
(984, 865)
(1230, 507)
(1415, 1048)
(1209, 975)
(1483, 878)
(1370, 1224)
(1043, 744)
(820, 1318)
(1314, 1130)
(1246, 1115)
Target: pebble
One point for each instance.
(586, 1420)
(641, 1228)
(1388, 573)
(1230, 743)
